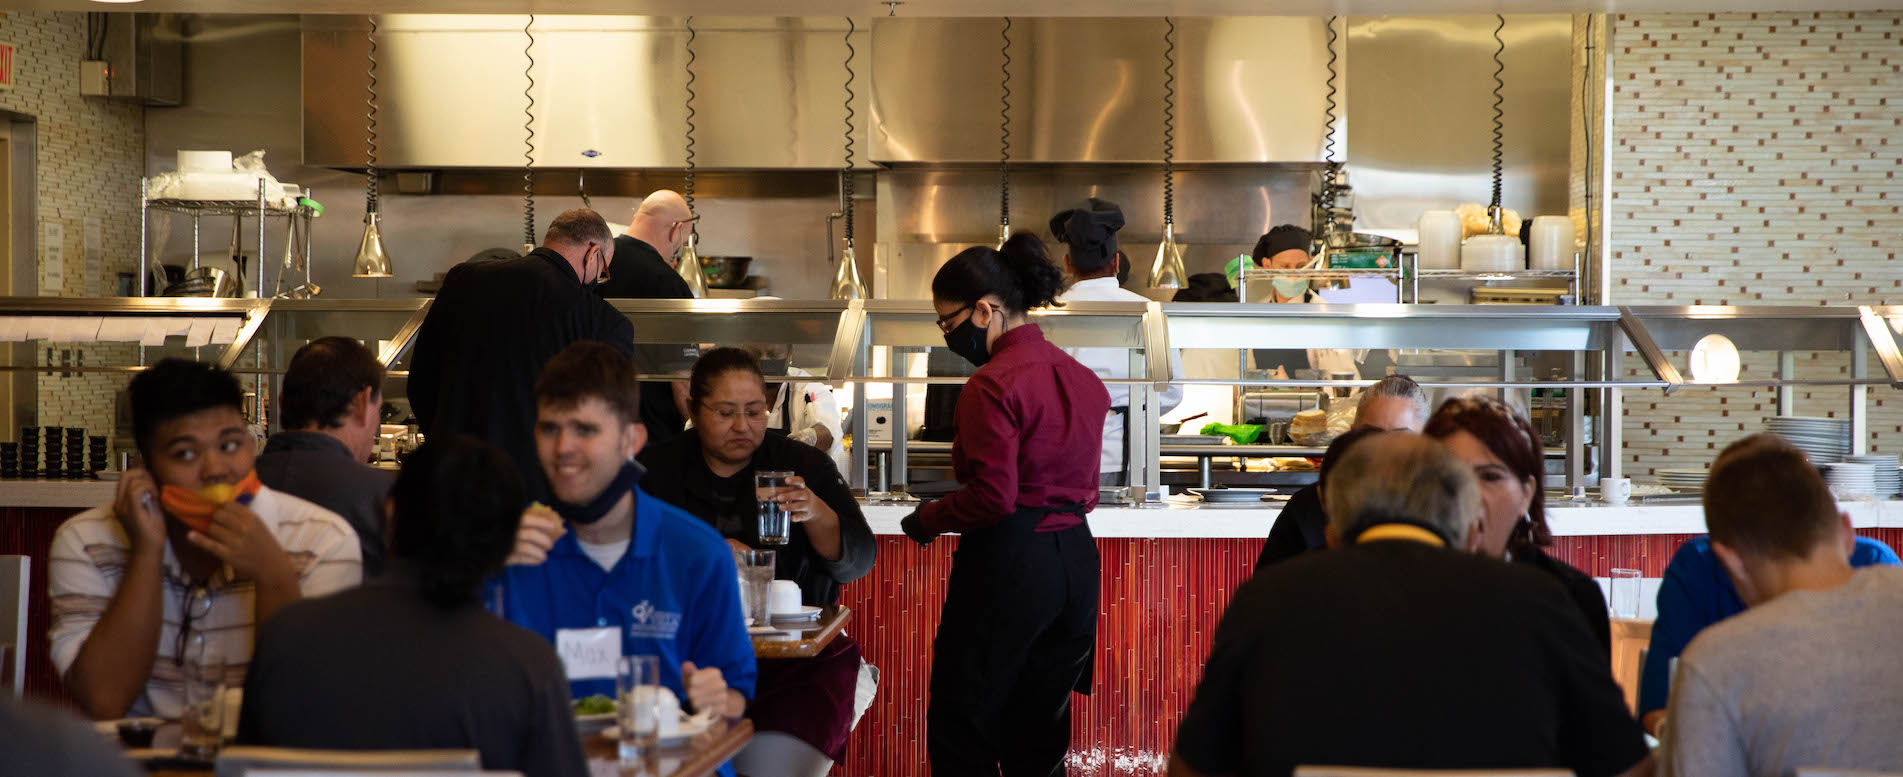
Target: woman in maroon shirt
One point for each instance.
(1019, 623)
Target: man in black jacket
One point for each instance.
(645, 262)
(495, 324)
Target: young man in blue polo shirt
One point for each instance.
(620, 572)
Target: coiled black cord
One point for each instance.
(1169, 121)
(845, 176)
(1499, 126)
(370, 117)
(688, 186)
(1331, 173)
(528, 140)
(1004, 133)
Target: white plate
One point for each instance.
(807, 612)
(690, 727)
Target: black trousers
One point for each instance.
(1016, 637)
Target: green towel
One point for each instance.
(1243, 434)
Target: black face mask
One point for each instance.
(583, 515)
(773, 366)
(968, 340)
(1123, 269)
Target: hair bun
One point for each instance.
(1030, 265)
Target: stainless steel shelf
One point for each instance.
(221, 208)
(1325, 274)
(1513, 275)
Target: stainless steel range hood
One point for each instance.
(610, 91)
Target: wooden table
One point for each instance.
(802, 640)
(698, 758)
(1630, 638)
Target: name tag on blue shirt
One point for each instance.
(589, 654)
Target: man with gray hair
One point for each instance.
(1401, 649)
(1392, 404)
(493, 326)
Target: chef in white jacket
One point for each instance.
(1089, 234)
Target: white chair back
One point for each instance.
(245, 761)
(1363, 771)
(1817, 771)
(15, 574)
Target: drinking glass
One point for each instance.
(1625, 593)
(203, 716)
(775, 523)
(638, 705)
(756, 579)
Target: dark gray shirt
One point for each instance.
(318, 468)
(381, 668)
(39, 741)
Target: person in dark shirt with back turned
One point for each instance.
(494, 325)
(1426, 655)
(330, 410)
(645, 267)
(412, 661)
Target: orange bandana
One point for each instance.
(194, 507)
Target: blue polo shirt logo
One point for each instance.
(652, 623)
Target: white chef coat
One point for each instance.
(1115, 363)
(812, 403)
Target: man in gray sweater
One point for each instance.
(1807, 677)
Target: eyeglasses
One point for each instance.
(196, 606)
(688, 220)
(728, 414)
(944, 322)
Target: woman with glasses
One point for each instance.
(1020, 617)
(804, 707)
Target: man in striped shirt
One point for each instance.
(192, 553)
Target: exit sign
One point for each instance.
(6, 66)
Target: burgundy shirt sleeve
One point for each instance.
(988, 440)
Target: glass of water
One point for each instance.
(638, 705)
(1625, 593)
(756, 579)
(203, 717)
(776, 524)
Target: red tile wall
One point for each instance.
(1161, 601)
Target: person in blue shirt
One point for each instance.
(614, 570)
(1696, 593)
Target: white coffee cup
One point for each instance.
(784, 598)
(1615, 490)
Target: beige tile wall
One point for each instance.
(91, 155)
(1755, 162)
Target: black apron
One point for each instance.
(1016, 637)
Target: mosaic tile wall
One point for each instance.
(1755, 160)
(91, 155)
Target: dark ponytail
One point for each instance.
(1020, 274)
(458, 501)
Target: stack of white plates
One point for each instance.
(1682, 479)
(1889, 478)
(1826, 440)
(1851, 480)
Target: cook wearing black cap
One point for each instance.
(1285, 248)
(1089, 235)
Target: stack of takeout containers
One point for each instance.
(29, 451)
